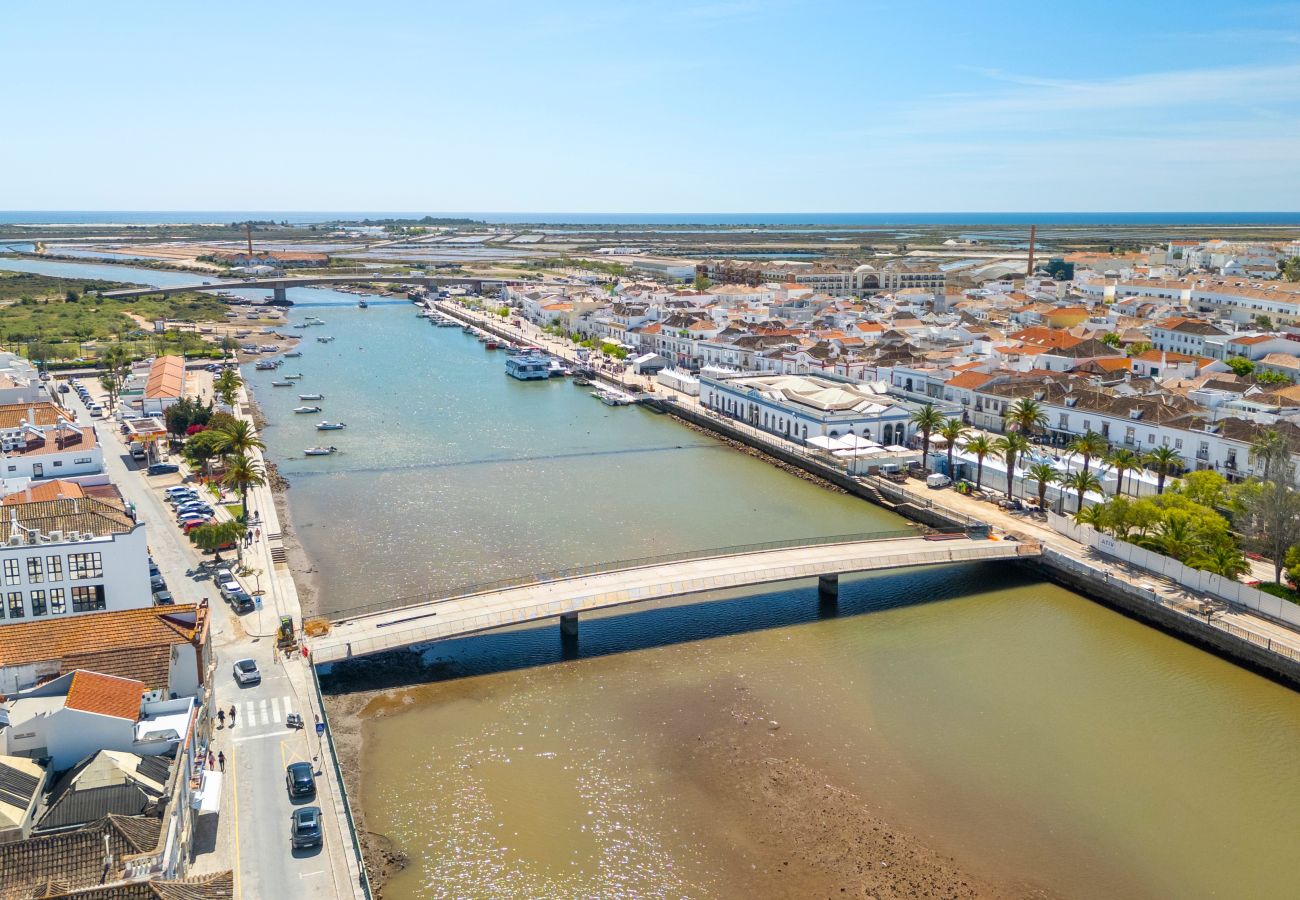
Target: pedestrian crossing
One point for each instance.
(272, 711)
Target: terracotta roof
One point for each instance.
(80, 438)
(970, 380)
(58, 865)
(41, 414)
(58, 489)
(76, 636)
(105, 695)
(166, 378)
(87, 515)
(1046, 337)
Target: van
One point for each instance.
(938, 480)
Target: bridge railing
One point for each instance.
(601, 568)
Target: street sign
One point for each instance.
(257, 601)
(320, 728)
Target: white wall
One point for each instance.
(125, 560)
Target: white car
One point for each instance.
(228, 586)
(246, 672)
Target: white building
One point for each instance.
(41, 440)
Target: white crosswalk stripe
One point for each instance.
(288, 705)
(250, 713)
(275, 710)
(266, 717)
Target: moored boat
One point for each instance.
(324, 339)
(281, 383)
(320, 451)
(330, 426)
(293, 354)
(306, 409)
(311, 396)
(528, 366)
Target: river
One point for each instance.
(1027, 732)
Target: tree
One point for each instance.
(1264, 322)
(1044, 474)
(1269, 504)
(1087, 445)
(1163, 461)
(212, 537)
(1026, 416)
(1081, 482)
(1240, 366)
(1221, 559)
(237, 438)
(1112, 339)
(1010, 446)
(226, 386)
(981, 446)
(200, 448)
(1291, 269)
(1293, 565)
(243, 472)
(927, 419)
(952, 431)
(702, 283)
(116, 362)
(1139, 348)
(1206, 487)
(1174, 536)
(1122, 461)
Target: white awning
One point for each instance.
(208, 797)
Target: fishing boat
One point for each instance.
(324, 339)
(320, 451)
(294, 377)
(279, 383)
(330, 426)
(491, 345)
(311, 396)
(293, 354)
(306, 409)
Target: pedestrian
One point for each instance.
(259, 534)
(221, 718)
(212, 761)
(232, 715)
(221, 760)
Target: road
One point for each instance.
(252, 837)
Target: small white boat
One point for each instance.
(299, 324)
(294, 377)
(330, 426)
(312, 320)
(306, 409)
(293, 354)
(311, 396)
(320, 451)
(281, 384)
(612, 398)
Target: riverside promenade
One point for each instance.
(547, 597)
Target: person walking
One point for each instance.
(221, 718)
(221, 760)
(212, 761)
(259, 534)
(232, 715)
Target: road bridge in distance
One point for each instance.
(278, 284)
(566, 594)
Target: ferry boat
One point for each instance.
(528, 366)
(330, 426)
(311, 396)
(281, 384)
(320, 451)
(306, 409)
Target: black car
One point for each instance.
(305, 827)
(156, 583)
(241, 601)
(300, 780)
(164, 469)
(163, 598)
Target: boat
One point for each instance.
(320, 451)
(312, 320)
(466, 329)
(612, 398)
(293, 354)
(311, 396)
(266, 364)
(528, 366)
(324, 339)
(491, 345)
(306, 409)
(330, 426)
(281, 384)
(299, 324)
(582, 380)
(362, 304)
(556, 369)
(294, 377)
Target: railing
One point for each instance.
(464, 625)
(603, 568)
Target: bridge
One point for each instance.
(280, 283)
(567, 593)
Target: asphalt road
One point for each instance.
(252, 836)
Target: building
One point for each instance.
(42, 440)
(22, 782)
(165, 385)
(801, 407)
(166, 648)
(71, 556)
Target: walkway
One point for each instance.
(468, 614)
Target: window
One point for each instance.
(38, 603)
(1178, 443)
(58, 602)
(16, 609)
(57, 463)
(11, 572)
(54, 567)
(88, 599)
(35, 571)
(81, 461)
(85, 565)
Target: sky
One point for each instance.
(654, 106)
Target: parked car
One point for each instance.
(300, 780)
(190, 524)
(241, 601)
(156, 583)
(163, 468)
(305, 827)
(163, 598)
(63, 389)
(180, 490)
(229, 585)
(191, 509)
(245, 671)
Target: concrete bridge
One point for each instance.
(278, 284)
(566, 594)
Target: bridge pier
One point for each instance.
(279, 294)
(569, 625)
(828, 589)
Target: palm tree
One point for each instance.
(1081, 482)
(227, 386)
(1088, 445)
(1175, 536)
(1044, 474)
(1122, 461)
(1091, 515)
(952, 431)
(1164, 461)
(1026, 416)
(981, 446)
(1009, 446)
(1224, 559)
(242, 473)
(238, 438)
(927, 419)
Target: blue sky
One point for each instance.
(730, 106)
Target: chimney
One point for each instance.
(1033, 237)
